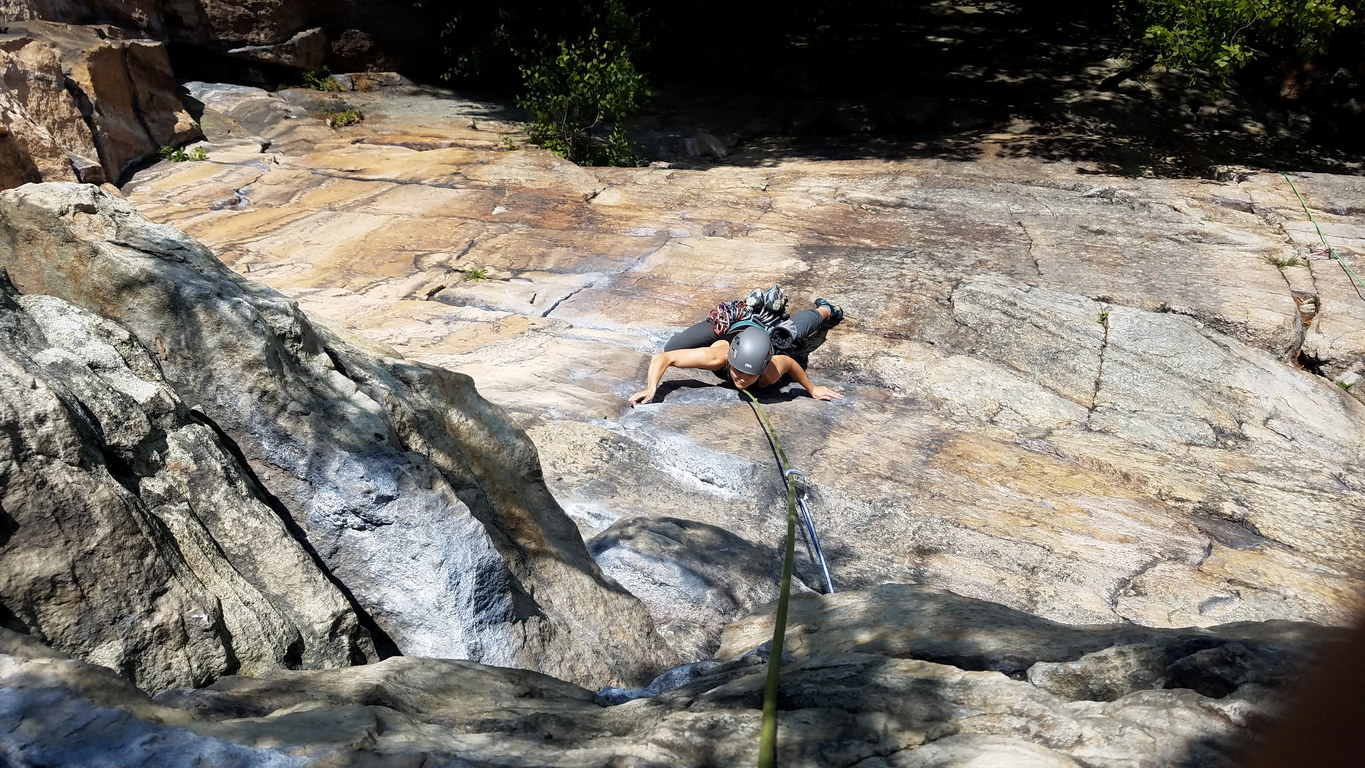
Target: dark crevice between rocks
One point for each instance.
(570, 295)
(1310, 363)
(1123, 584)
(122, 472)
(337, 364)
(1099, 373)
(8, 620)
(1032, 251)
(8, 527)
(384, 645)
(87, 110)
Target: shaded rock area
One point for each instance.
(84, 104)
(260, 42)
(865, 707)
(1096, 661)
(695, 578)
(1087, 397)
(207, 412)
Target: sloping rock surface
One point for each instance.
(836, 708)
(415, 495)
(1087, 397)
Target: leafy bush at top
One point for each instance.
(576, 90)
(1221, 36)
(572, 61)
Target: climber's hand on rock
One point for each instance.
(825, 393)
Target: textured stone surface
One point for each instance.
(415, 493)
(131, 535)
(1076, 395)
(84, 104)
(834, 709)
(43, 122)
(695, 578)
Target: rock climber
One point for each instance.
(737, 341)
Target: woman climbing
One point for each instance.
(737, 340)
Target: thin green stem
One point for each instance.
(1323, 237)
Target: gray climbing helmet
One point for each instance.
(750, 351)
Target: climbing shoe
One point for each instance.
(774, 301)
(836, 312)
(755, 300)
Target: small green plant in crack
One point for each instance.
(507, 143)
(321, 81)
(1344, 385)
(476, 274)
(343, 118)
(1283, 261)
(179, 155)
(1104, 317)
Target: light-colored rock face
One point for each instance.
(44, 123)
(1074, 395)
(877, 705)
(82, 105)
(132, 538)
(416, 495)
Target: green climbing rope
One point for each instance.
(1330, 249)
(767, 739)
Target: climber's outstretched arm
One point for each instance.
(789, 367)
(710, 358)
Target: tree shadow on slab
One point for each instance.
(968, 81)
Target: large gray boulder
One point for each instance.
(132, 536)
(418, 497)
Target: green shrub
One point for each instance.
(585, 86)
(342, 118)
(179, 155)
(1222, 36)
(321, 81)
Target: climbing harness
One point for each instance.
(808, 522)
(1321, 236)
(767, 739)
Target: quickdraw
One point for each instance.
(726, 314)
